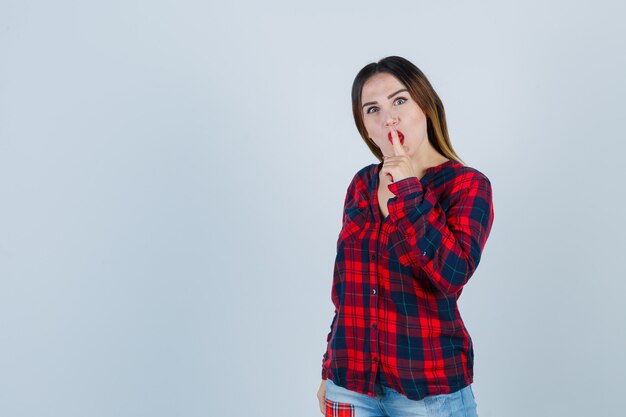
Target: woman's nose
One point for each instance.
(391, 120)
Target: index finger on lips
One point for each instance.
(395, 141)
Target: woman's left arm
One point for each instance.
(446, 245)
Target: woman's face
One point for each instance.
(386, 101)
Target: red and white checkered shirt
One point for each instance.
(397, 280)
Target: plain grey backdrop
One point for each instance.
(172, 176)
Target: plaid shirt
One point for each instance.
(397, 280)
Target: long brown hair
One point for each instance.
(420, 90)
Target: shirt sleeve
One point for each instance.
(350, 197)
(446, 245)
(325, 358)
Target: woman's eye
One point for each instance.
(400, 98)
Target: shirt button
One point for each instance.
(373, 257)
(374, 325)
(374, 291)
(424, 253)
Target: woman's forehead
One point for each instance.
(380, 84)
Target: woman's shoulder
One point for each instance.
(367, 171)
(454, 179)
(461, 174)
(364, 174)
(361, 183)
(471, 183)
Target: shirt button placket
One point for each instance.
(374, 304)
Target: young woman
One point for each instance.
(413, 230)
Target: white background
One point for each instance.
(172, 176)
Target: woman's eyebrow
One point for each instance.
(389, 96)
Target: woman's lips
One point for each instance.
(400, 135)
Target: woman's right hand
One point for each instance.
(321, 396)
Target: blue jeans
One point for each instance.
(391, 403)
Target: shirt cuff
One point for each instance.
(406, 187)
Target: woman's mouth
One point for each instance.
(400, 135)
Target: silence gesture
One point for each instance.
(398, 166)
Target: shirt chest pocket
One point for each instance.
(354, 220)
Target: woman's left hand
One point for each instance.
(398, 166)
